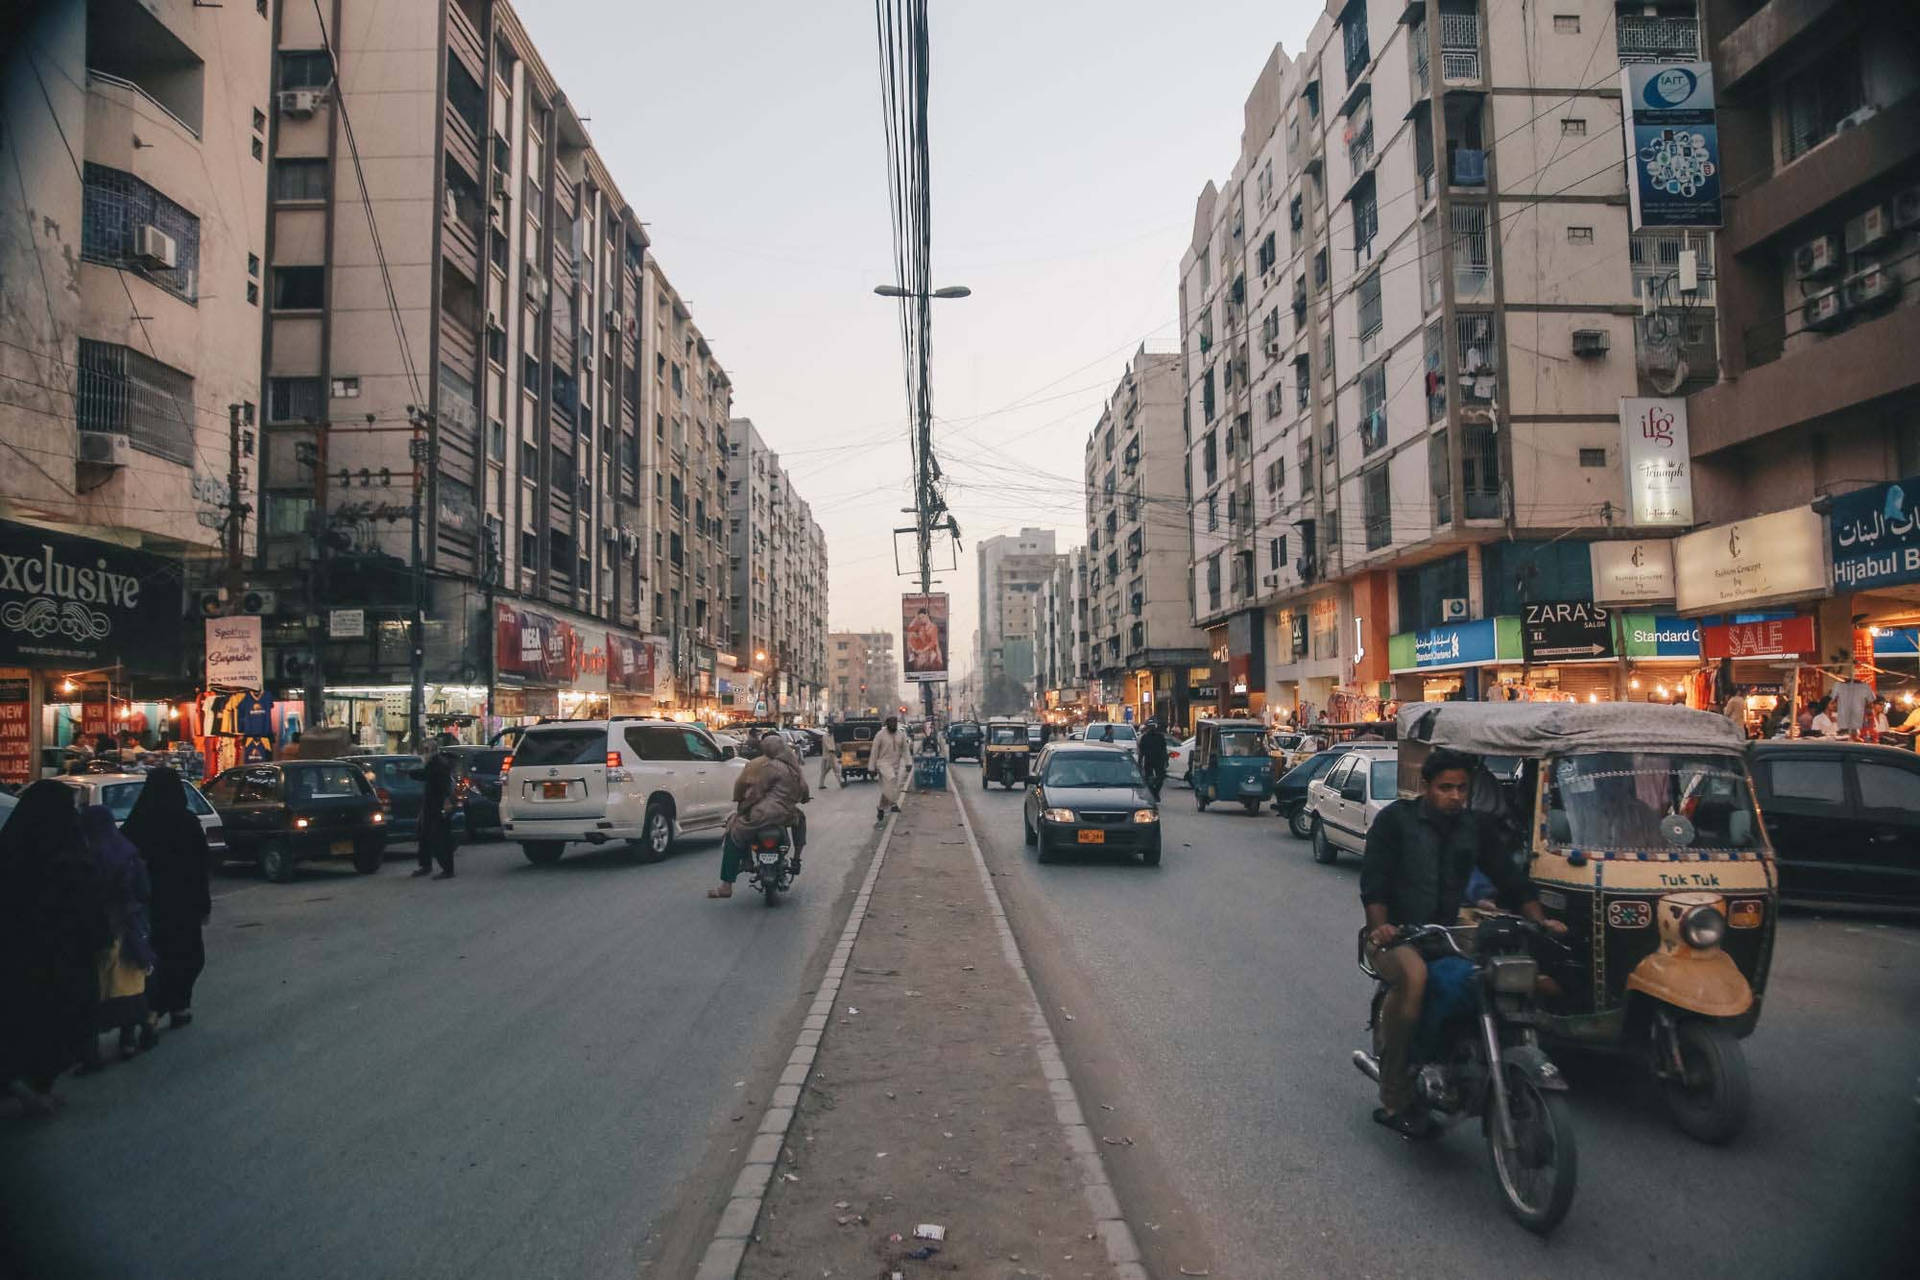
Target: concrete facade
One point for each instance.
(779, 581)
(1012, 569)
(863, 676)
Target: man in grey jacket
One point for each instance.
(768, 793)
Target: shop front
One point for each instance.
(1246, 682)
(1457, 662)
(1660, 656)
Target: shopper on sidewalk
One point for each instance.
(891, 759)
(768, 793)
(174, 846)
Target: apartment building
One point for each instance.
(132, 142)
(779, 581)
(1012, 569)
(863, 677)
(1063, 639)
(1144, 647)
(1410, 316)
(465, 332)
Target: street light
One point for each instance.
(895, 291)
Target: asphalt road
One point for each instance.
(524, 1072)
(1215, 1003)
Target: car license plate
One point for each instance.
(1093, 837)
(554, 790)
(341, 847)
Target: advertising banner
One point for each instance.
(1774, 557)
(1771, 638)
(1653, 445)
(235, 659)
(1649, 635)
(1874, 536)
(80, 604)
(16, 749)
(1463, 644)
(1632, 572)
(1673, 144)
(633, 665)
(1565, 631)
(924, 620)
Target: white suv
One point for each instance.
(1119, 732)
(642, 781)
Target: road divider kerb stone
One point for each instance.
(724, 1253)
(1123, 1250)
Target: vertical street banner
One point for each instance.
(16, 752)
(234, 656)
(924, 621)
(1659, 470)
(1673, 144)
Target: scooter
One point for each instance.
(1489, 1064)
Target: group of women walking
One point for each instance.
(99, 928)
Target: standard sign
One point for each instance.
(1566, 631)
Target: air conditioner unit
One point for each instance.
(1906, 209)
(301, 103)
(499, 184)
(536, 288)
(1590, 342)
(1453, 609)
(1857, 117)
(1871, 287)
(105, 448)
(614, 319)
(1824, 310)
(1270, 580)
(259, 601)
(1817, 258)
(1868, 229)
(156, 247)
(1273, 349)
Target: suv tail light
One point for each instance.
(505, 765)
(613, 760)
(384, 796)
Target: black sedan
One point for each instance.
(1290, 793)
(1086, 796)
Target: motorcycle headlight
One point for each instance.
(1059, 815)
(1513, 975)
(1146, 815)
(1703, 928)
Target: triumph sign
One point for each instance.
(82, 604)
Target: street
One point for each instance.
(1215, 1001)
(527, 1071)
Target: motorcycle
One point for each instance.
(770, 863)
(1490, 1065)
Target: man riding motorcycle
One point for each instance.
(1153, 756)
(1420, 856)
(768, 793)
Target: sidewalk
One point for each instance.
(936, 1096)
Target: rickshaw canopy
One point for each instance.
(1548, 728)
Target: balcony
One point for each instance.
(1360, 143)
(123, 392)
(1480, 471)
(1657, 38)
(1459, 48)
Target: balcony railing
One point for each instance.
(1422, 81)
(1654, 38)
(1360, 146)
(122, 391)
(1480, 471)
(1460, 48)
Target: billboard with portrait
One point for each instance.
(923, 621)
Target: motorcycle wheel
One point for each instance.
(1710, 1104)
(770, 886)
(1538, 1173)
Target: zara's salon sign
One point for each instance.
(77, 603)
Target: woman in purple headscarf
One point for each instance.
(128, 958)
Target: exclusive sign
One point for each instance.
(1565, 631)
(82, 604)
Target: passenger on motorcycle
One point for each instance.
(1420, 857)
(1153, 756)
(768, 793)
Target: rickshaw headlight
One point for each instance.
(1703, 928)
(1059, 815)
(1146, 815)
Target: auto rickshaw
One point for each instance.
(853, 740)
(1007, 754)
(1640, 832)
(1230, 762)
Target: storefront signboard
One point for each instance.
(1632, 572)
(1901, 642)
(634, 665)
(1460, 644)
(1875, 536)
(82, 604)
(1647, 635)
(16, 743)
(1672, 144)
(346, 624)
(1653, 444)
(1565, 631)
(235, 658)
(1776, 557)
(1770, 638)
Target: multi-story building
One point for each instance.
(1063, 638)
(1410, 317)
(1144, 646)
(465, 332)
(862, 675)
(779, 581)
(131, 244)
(1012, 569)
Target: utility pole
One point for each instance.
(420, 451)
(237, 510)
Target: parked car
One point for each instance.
(7, 801)
(1180, 760)
(118, 791)
(1344, 803)
(1844, 819)
(479, 797)
(963, 740)
(642, 782)
(1290, 793)
(1117, 732)
(1089, 796)
(279, 815)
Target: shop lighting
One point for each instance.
(1634, 683)
(66, 686)
(1593, 697)
(173, 713)
(1661, 690)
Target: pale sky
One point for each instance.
(1070, 139)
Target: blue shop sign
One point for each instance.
(1661, 636)
(1875, 536)
(1901, 643)
(1461, 644)
(1673, 144)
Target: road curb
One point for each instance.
(1123, 1251)
(729, 1245)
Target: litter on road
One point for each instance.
(929, 1231)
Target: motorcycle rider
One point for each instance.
(768, 793)
(1420, 856)
(1153, 756)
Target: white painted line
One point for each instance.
(729, 1245)
(1122, 1249)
